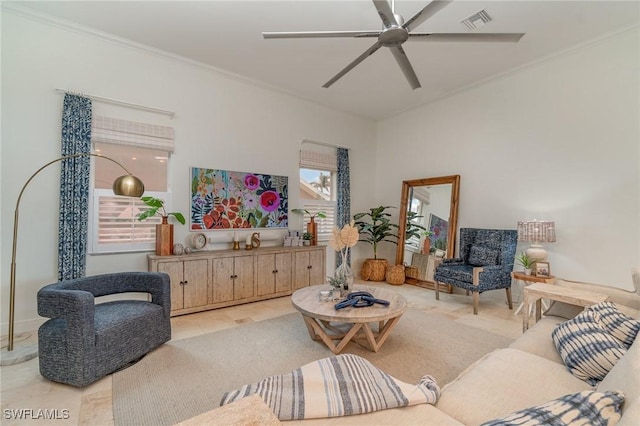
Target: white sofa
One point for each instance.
(527, 373)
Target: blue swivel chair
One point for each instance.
(485, 263)
(84, 341)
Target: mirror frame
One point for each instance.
(454, 180)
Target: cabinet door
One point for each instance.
(301, 269)
(283, 273)
(317, 269)
(243, 278)
(266, 272)
(175, 272)
(222, 279)
(195, 283)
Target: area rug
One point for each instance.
(187, 377)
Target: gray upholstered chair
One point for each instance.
(485, 263)
(84, 341)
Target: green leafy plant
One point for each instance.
(157, 207)
(320, 214)
(377, 228)
(413, 229)
(524, 260)
(307, 236)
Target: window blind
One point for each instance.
(117, 223)
(123, 132)
(324, 226)
(318, 160)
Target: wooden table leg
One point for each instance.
(316, 331)
(525, 314)
(538, 309)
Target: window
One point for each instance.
(114, 226)
(317, 189)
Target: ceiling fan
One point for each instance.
(395, 33)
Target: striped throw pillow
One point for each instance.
(588, 351)
(618, 324)
(583, 408)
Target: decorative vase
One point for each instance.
(426, 246)
(345, 275)
(527, 271)
(164, 238)
(312, 228)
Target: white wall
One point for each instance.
(220, 122)
(558, 141)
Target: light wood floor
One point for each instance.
(24, 388)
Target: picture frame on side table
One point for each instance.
(542, 269)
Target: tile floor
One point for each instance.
(24, 389)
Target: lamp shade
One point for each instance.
(129, 186)
(537, 231)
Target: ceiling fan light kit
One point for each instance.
(395, 32)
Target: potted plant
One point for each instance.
(526, 262)
(307, 237)
(413, 228)
(375, 227)
(311, 226)
(164, 231)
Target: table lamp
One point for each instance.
(536, 232)
(127, 185)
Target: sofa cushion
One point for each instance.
(588, 351)
(537, 340)
(483, 256)
(504, 381)
(587, 407)
(624, 377)
(619, 325)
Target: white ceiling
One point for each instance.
(227, 35)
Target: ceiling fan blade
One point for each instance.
(319, 34)
(455, 37)
(349, 67)
(405, 66)
(385, 12)
(427, 12)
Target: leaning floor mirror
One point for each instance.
(427, 226)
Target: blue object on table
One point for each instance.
(360, 299)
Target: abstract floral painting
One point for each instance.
(440, 229)
(222, 199)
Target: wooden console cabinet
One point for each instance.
(216, 279)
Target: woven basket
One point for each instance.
(395, 274)
(411, 271)
(374, 270)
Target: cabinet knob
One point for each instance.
(186, 282)
(310, 266)
(275, 271)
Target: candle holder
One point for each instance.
(236, 245)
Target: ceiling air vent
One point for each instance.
(478, 20)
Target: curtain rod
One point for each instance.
(331, 145)
(122, 103)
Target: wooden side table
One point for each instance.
(535, 292)
(527, 280)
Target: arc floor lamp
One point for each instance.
(127, 185)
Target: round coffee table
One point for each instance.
(324, 322)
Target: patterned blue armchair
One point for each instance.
(485, 263)
(84, 341)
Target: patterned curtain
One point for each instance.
(343, 196)
(74, 187)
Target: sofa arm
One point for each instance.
(492, 276)
(452, 261)
(75, 308)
